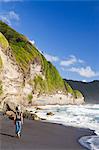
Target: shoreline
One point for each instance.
(38, 135)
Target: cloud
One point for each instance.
(85, 72)
(6, 1)
(9, 16)
(5, 19)
(51, 58)
(69, 61)
(84, 80)
(81, 61)
(32, 41)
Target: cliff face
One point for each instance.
(26, 76)
(90, 90)
(10, 77)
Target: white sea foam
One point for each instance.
(91, 142)
(82, 116)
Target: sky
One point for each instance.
(65, 32)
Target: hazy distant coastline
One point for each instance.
(90, 90)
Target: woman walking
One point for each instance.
(18, 121)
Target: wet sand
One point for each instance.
(38, 135)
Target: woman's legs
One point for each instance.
(18, 128)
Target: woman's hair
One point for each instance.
(16, 107)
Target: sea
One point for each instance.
(81, 116)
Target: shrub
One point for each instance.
(30, 96)
(1, 90)
(0, 62)
(40, 85)
(69, 88)
(78, 94)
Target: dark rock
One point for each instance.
(30, 116)
(38, 108)
(50, 113)
(10, 114)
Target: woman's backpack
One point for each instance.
(18, 115)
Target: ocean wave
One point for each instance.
(82, 116)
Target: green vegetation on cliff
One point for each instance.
(55, 82)
(1, 90)
(22, 49)
(0, 63)
(30, 96)
(40, 85)
(25, 53)
(75, 93)
(69, 88)
(3, 41)
(78, 94)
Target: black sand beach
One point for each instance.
(40, 136)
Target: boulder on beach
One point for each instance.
(30, 116)
(10, 114)
(50, 114)
(38, 108)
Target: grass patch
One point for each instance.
(30, 96)
(78, 94)
(69, 88)
(1, 63)
(1, 90)
(3, 41)
(40, 85)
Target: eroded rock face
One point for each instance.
(9, 108)
(35, 69)
(11, 78)
(27, 89)
(16, 89)
(60, 99)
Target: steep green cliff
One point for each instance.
(29, 72)
(25, 54)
